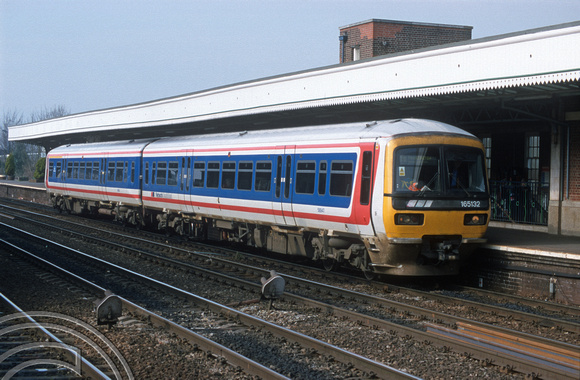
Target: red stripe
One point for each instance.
(251, 210)
(98, 192)
(254, 210)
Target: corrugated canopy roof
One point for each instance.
(531, 64)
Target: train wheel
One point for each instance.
(369, 274)
(366, 268)
(329, 264)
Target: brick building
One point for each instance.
(371, 38)
(572, 184)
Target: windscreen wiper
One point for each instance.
(462, 187)
(426, 187)
(457, 181)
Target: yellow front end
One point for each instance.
(431, 232)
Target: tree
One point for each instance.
(10, 165)
(49, 113)
(22, 160)
(39, 169)
(9, 119)
(25, 155)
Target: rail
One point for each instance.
(479, 352)
(557, 361)
(234, 358)
(365, 364)
(87, 369)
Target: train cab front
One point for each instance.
(436, 205)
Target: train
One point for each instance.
(406, 197)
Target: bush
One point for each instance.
(10, 165)
(39, 169)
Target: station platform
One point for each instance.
(533, 243)
(24, 190)
(15, 183)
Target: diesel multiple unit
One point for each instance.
(402, 197)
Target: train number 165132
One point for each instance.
(470, 204)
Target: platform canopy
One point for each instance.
(507, 72)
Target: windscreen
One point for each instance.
(439, 170)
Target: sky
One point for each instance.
(94, 54)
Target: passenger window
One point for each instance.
(147, 172)
(95, 171)
(228, 175)
(322, 178)
(245, 172)
(161, 173)
(76, 170)
(69, 170)
(199, 174)
(213, 175)
(341, 178)
(119, 172)
(263, 176)
(305, 177)
(82, 170)
(111, 171)
(88, 170)
(365, 183)
(172, 174)
(58, 169)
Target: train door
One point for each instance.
(185, 181)
(367, 173)
(67, 173)
(57, 172)
(282, 202)
(103, 162)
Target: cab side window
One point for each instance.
(341, 173)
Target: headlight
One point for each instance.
(409, 219)
(475, 219)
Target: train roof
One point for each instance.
(330, 132)
(103, 147)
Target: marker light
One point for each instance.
(475, 219)
(409, 219)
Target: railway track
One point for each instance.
(252, 326)
(29, 349)
(563, 359)
(212, 256)
(196, 340)
(485, 301)
(363, 318)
